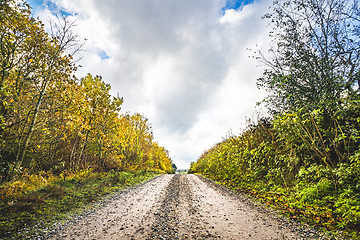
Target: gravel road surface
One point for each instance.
(181, 207)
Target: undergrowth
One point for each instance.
(44, 199)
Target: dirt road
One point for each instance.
(181, 207)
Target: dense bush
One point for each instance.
(312, 156)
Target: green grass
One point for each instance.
(22, 214)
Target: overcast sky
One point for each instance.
(183, 64)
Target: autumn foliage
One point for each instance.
(54, 122)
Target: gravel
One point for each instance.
(180, 207)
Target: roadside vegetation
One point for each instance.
(31, 206)
(304, 159)
(63, 140)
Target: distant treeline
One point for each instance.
(305, 157)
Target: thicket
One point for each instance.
(305, 158)
(52, 121)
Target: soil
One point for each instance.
(182, 207)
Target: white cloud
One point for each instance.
(237, 16)
(182, 64)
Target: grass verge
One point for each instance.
(43, 203)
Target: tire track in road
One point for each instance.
(196, 208)
(176, 218)
(181, 207)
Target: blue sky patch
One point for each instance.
(103, 55)
(50, 5)
(35, 3)
(56, 9)
(236, 4)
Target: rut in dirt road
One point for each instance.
(181, 207)
(176, 218)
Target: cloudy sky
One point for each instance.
(183, 64)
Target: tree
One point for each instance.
(19, 34)
(33, 65)
(98, 116)
(54, 65)
(315, 56)
(174, 168)
(52, 121)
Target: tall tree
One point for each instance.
(99, 113)
(33, 63)
(54, 65)
(315, 57)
